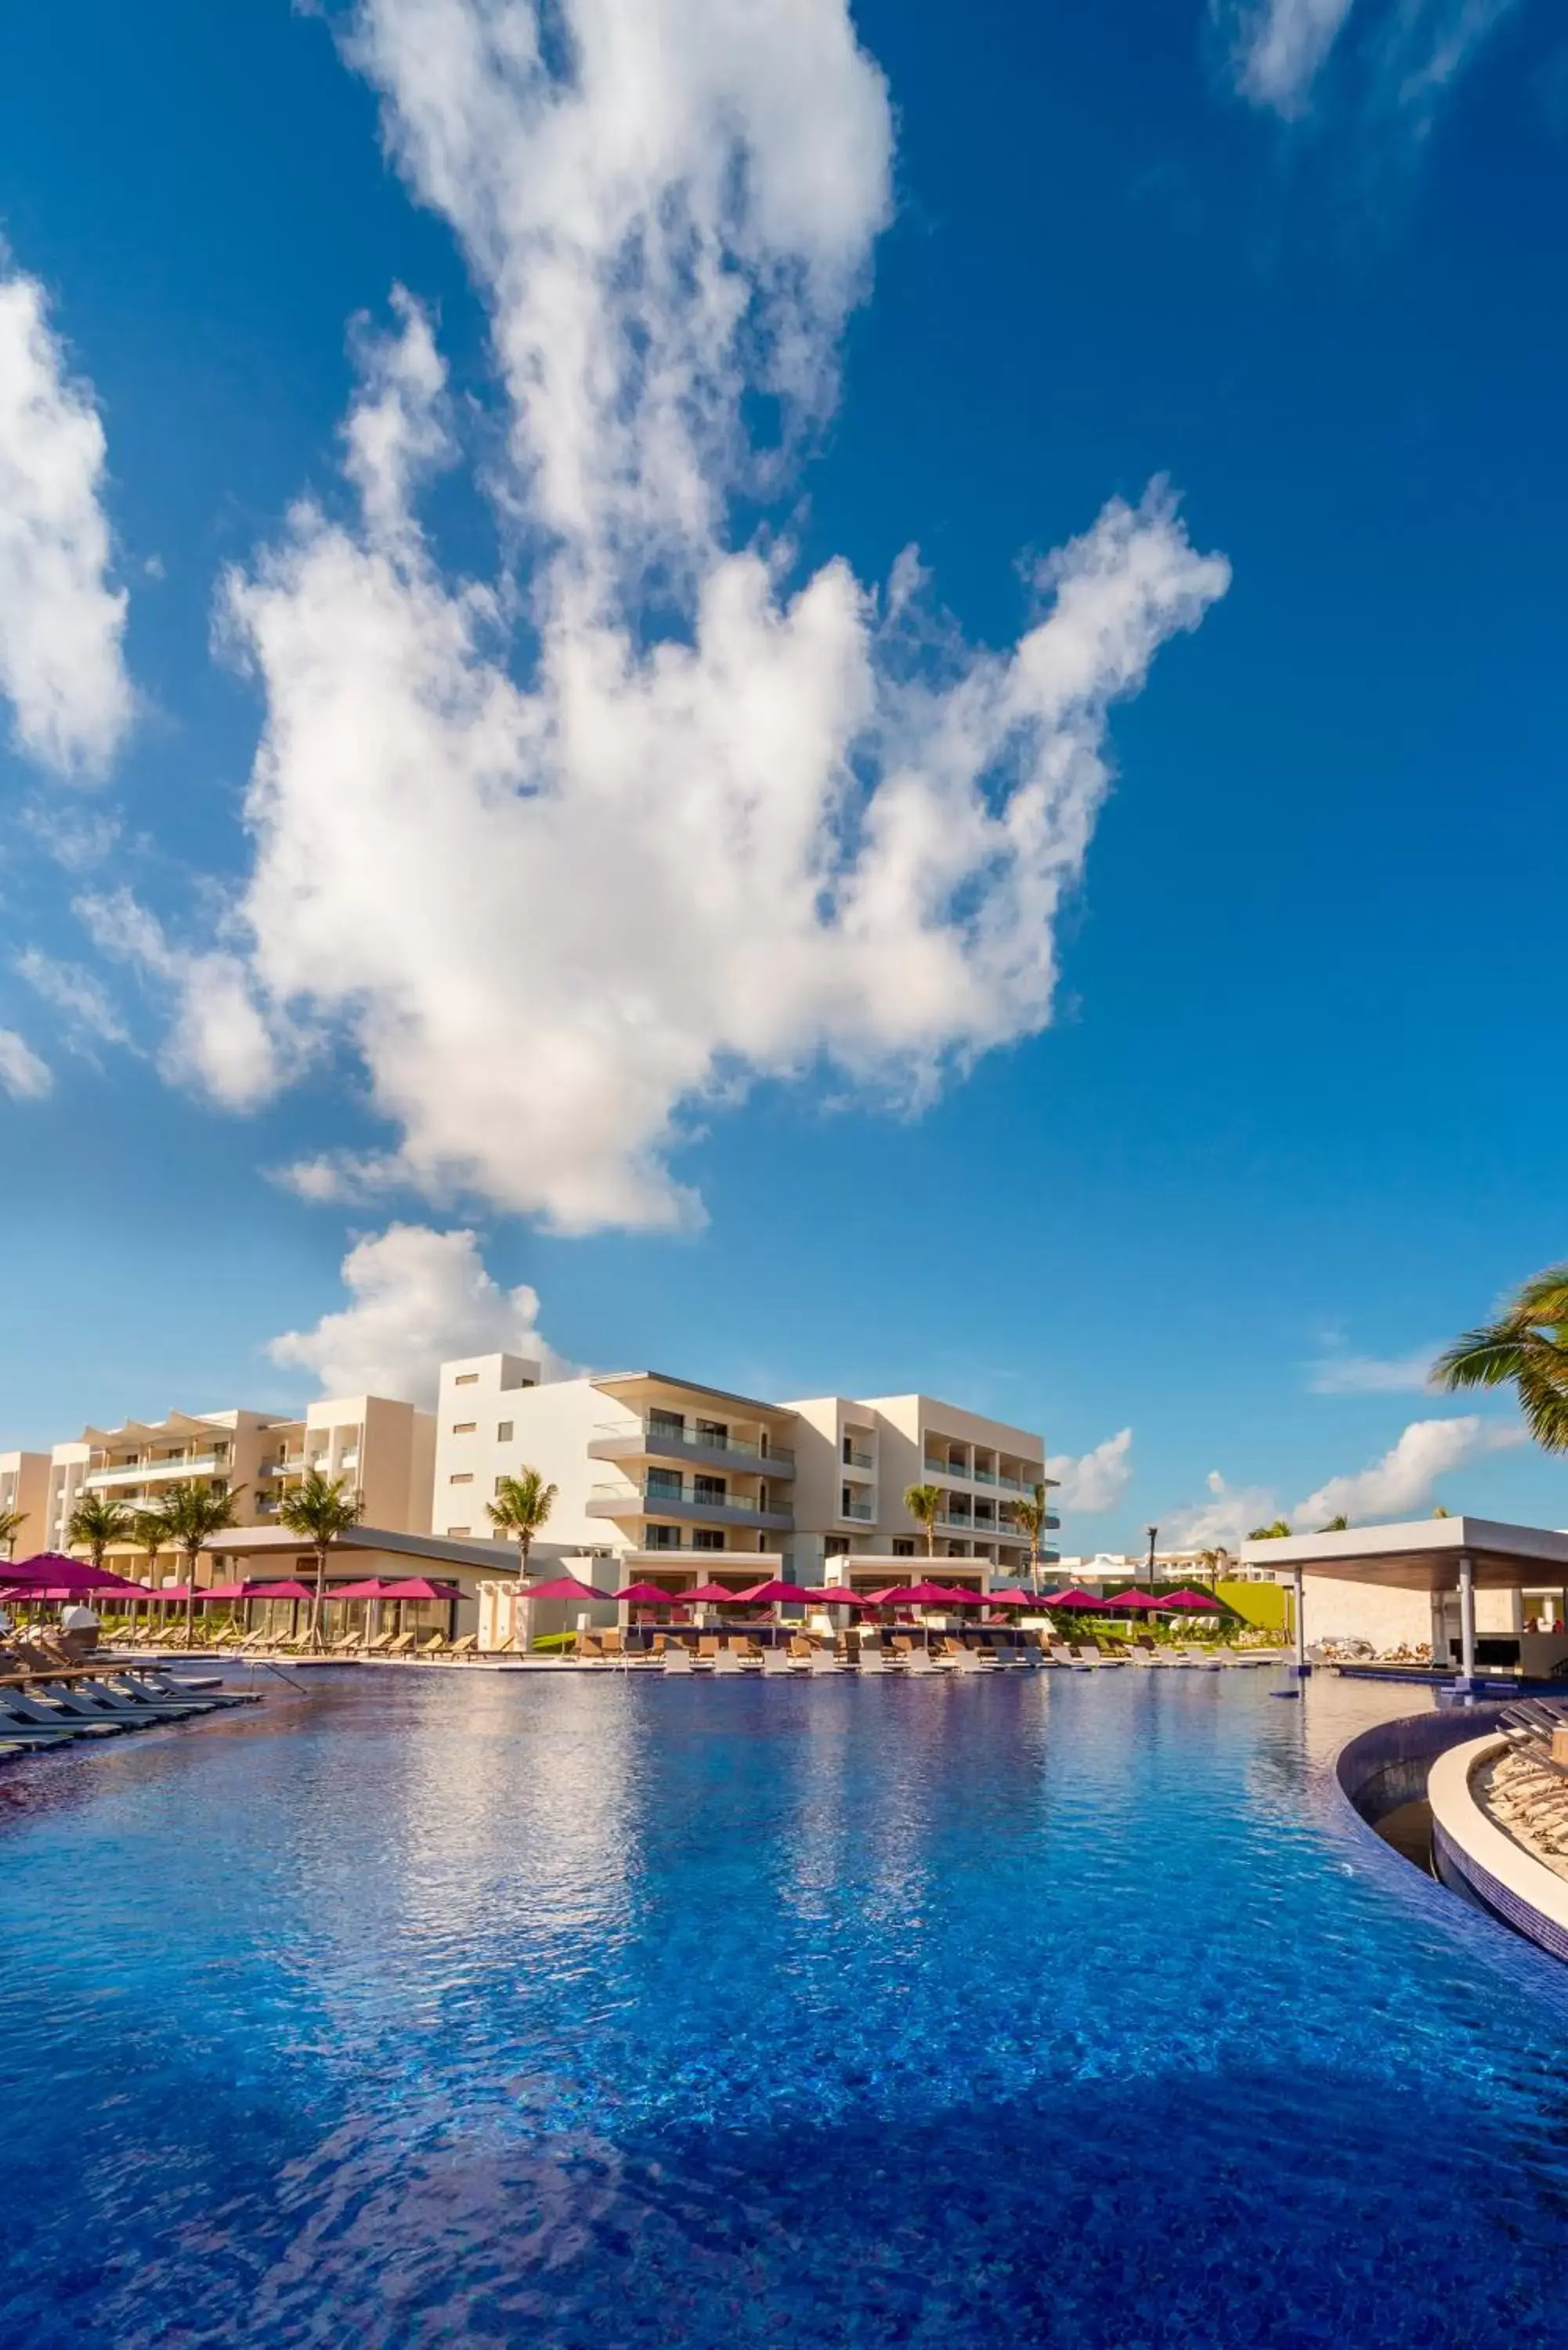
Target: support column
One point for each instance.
(1467, 1620)
(1302, 1668)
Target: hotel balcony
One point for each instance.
(952, 1473)
(631, 1501)
(139, 1473)
(860, 1513)
(617, 1443)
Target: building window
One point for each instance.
(666, 1423)
(503, 1431)
(464, 1427)
(709, 1489)
(456, 1529)
(836, 1546)
(714, 1433)
(661, 1538)
(902, 1548)
(466, 1380)
(462, 1477)
(707, 1538)
(664, 1481)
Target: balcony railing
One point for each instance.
(613, 1440)
(860, 1460)
(137, 1472)
(950, 1473)
(662, 1502)
(860, 1511)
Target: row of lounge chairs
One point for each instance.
(740, 1652)
(48, 1699)
(350, 1645)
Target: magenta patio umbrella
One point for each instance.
(1074, 1598)
(1125, 1602)
(562, 1587)
(778, 1594)
(839, 1595)
(420, 1586)
(52, 1573)
(649, 1595)
(370, 1588)
(288, 1589)
(710, 1595)
(1191, 1603)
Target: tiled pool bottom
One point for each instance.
(592, 2011)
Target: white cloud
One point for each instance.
(1373, 1374)
(220, 1039)
(89, 1010)
(1404, 1479)
(24, 1077)
(61, 625)
(1095, 1481)
(420, 1298)
(1225, 1519)
(564, 883)
(1279, 46)
(1411, 53)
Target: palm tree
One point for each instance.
(149, 1531)
(323, 1510)
(1276, 1532)
(1525, 1348)
(1031, 1517)
(192, 1512)
(1335, 1525)
(11, 1524)
(97, 1523)
(1214, 1561)
(924, 1504)
(521, 1507)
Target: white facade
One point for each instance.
(670, 1477)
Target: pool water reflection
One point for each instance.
(434, 2009)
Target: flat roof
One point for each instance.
(613, 1382)
(1423, 1555)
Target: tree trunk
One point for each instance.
(320, 1592)
(190, 1558)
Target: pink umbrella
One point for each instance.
(64, 1578)
(1014, 1598)
(225, 1591)
(420, 1586)
(839, 1595)
(1125, 1601)
(647, 1595)
(372, 1587)
(1191, 1603)
(286, 1590)
(564, 1586)
(780, 1594)
(1073, 1598)
(710, 1595)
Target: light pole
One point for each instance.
(1152, 1533)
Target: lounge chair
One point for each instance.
(775, 1662)
(1061, 1654)
(466, 1646)
(966, 1661)
(724, 1660)
(826, 1660)
(920, 1660)
(677, 1659)
(401, 1646)
(434, 1647)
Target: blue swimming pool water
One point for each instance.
(437, 2009)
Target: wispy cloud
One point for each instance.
(564, 880)
(1224, 1518)
(89, 1011)
(1332, 1375)
(22, 1074)
(1399, 58)
(62, 667)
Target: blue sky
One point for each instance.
(1099, 970)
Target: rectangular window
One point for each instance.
(902, 1548)
(462, 1477)
(709, 1489)
(503, 1431)
(714, 1433)
(666, 1423)
(464, 1427)
(456, 1529)
(661, 1538)
(836, 1546)
(664, 1481)
(499, 1482)
(707, 1538)
(466, 1380)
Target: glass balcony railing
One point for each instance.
(648, 1437)
(860, 1511)
(859, 1459)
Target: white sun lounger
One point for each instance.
(678, 1661)
(726, 1662)
(774, 1663)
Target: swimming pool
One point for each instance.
(434, 2008)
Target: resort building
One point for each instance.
(24, 1487)
(685, 1482)
(382, 1447)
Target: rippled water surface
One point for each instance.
(585, 2010)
